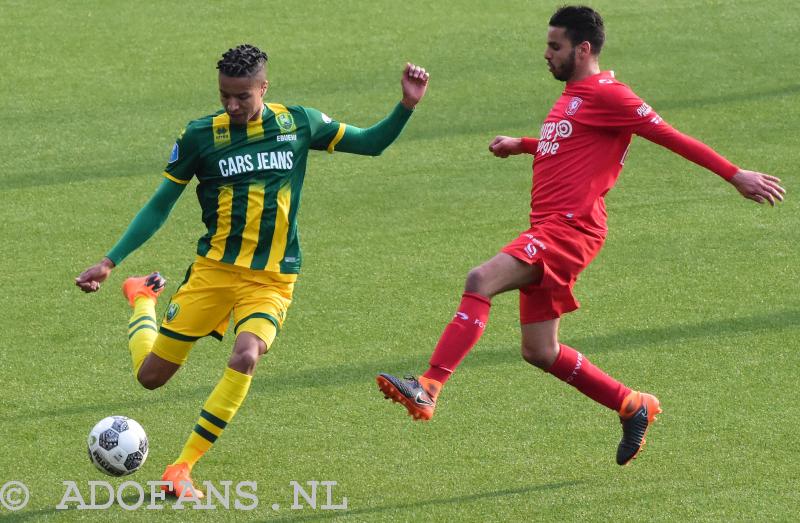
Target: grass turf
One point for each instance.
(694, 297)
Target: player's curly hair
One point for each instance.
(582, 24)
(242, 60)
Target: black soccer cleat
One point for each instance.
(410, 393)
(638, 412)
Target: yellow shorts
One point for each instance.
(212, 291)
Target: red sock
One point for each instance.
(459, 336)
(574, 368)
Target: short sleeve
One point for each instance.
(325, 131)
(617, 106)
(183, 160)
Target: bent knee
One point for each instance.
(151, 381)
(244, 361)
(540, 355)
(476, 279)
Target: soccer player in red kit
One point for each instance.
(577, 158)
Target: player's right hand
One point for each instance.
(90, 279)
(505, 146)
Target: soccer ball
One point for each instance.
(117, 446)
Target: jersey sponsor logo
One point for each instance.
(174, 154)
(275, 160)
(263, 161)
(574, 105)
(563, 129)
(643, 110)
(605, 81)
(550, 135)
(285, 122)
(286, 138)
(656, 120)
(326, 118)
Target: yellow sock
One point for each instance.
(142, 331)
(218, 411)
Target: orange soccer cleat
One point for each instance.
(182, 486)
(419, 400)
(150, 286)
(637, 413)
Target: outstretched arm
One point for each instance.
(753, 185)
(148, 220)
(505, 146)
(373, 140)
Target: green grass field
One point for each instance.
(695, 296)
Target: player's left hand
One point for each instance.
(90, 279)
(758, 187)
(414, 82)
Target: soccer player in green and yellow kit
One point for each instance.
(250, 162)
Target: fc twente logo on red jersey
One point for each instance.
(573, 106)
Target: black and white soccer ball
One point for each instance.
(117, 446)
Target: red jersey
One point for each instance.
(582, 146)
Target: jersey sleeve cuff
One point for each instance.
(529, 145)
(729, 172)
(115, 257)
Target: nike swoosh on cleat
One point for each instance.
(419, 400)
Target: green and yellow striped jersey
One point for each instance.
(249, 182)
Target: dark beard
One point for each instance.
(567, 70)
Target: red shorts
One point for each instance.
(563, 250)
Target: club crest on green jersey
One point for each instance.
(172, 311)
(285, 122)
